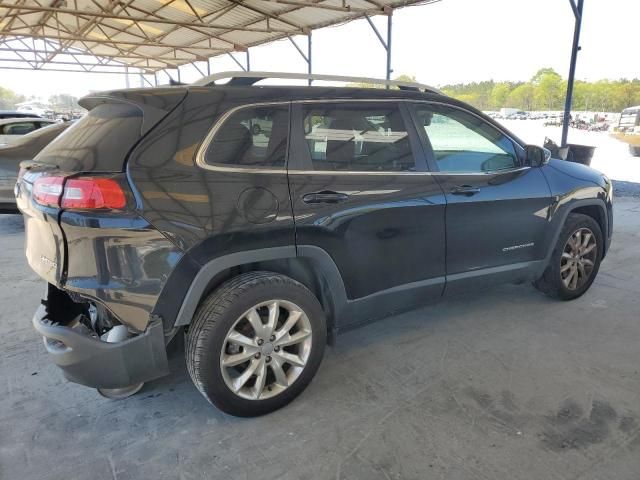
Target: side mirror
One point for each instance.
(537, 156)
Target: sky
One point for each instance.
(452, 41)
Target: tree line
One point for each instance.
(546, 91)
(9, 99)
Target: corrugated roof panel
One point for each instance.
(180, 30)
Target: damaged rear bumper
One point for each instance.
(87, 360)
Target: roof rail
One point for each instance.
(249, 78)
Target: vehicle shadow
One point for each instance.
(400, 330)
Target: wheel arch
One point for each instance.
(309, 265)
(598, 213)
(592, 207)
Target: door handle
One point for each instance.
(325, 196)
(466, 190)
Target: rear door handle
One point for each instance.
(325, 196)
(466, 190)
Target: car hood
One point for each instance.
(579, 171)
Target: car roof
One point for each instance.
(279, 93)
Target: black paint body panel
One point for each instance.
(398, 241)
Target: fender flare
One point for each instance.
(319, 258)
(561, 218)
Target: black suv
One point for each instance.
(259, 221)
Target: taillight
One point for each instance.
(91, 192)
(47, 190)
(79, 193)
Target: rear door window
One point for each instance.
(251, 137)
(100, 141)
(358, 137)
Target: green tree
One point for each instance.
(478, 92)
(9, 98)
(549, 88)
(63, 101)
(602, 96)
(626, 94)
(406, 78)
(468, 98)
(499, 94)
(582, 95)
(523, 97)
(537, 78)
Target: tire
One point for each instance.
(223, 330)
(553, 282)
(256, 129)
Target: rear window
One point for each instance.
(252, 137)
(98, 142)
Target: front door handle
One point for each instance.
(325, 196)
(466, 190)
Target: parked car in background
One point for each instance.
(24, 148)
(11, 129)
(16, 114)
(163, 212)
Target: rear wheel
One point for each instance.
(575, 260)
(255, 343)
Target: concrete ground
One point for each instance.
(506, 384)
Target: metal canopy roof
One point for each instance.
(151, 35)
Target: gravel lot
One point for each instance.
(502, 384)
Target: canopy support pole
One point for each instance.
(198, 68)
(577, 13)
(309, 57)
(237, 62)
(305, 56)
(385, 44)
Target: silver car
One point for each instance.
(23, 148)
(11, 129)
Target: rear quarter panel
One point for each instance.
(119, 260)
(199, 209)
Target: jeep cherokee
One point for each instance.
(259, 221)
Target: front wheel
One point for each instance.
(575, 260)
(255, 343)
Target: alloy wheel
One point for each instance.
(266, 350)
(578, 258)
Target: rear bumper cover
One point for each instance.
(92, 362)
